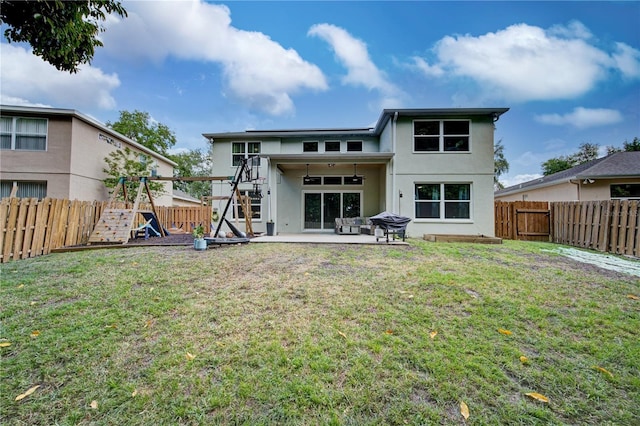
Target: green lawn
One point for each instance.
(318, 334)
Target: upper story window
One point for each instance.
(625, 191)
(311, 146)
(242, 150)
(353, 146)
(23, 134)
(441, 135)
(332, 146)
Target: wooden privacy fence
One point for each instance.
(610, 226)
(30, 227)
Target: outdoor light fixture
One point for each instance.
(307, 178)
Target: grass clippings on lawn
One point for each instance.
(319, 334)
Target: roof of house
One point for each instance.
(89, 120)
(618, 165)
(386, 115)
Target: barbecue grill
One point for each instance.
(391, 224)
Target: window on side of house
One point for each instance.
(310, 146)
(256, 207)
(240, 150)
(441, 135)
(448, 201)
(625, 191)
(332, 146)
(26, 189)
(354, 146)
(23, 134)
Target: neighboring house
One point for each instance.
(182, 199)
(59, 153)
(616, 176)
(432, 165)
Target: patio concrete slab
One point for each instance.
(321, 238)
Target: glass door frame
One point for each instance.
(322, 208)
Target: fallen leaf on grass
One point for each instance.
(35, 333)
(433, 334)
(633, 296)
(134, 393)
(524, 359)
(389, 332)
(27, 393)
(149, 323)
(537, 396)
(21, 285)
(342, 334)
(190, 356)
(505, 332)
(94, 405)
(5, 344)
(111, 326)
(603, 370)
(464, 410)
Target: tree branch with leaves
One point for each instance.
(63, 33)
(128, 163)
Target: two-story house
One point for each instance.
(59, 153)
(435, 166)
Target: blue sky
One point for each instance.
(569, 71)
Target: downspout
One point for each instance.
(393, 164)
(269, 171)
(577, 183)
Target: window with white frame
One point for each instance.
(242, 150)
(23, 134)
(256, 207)
(26, 189)
(443, 201)
(331, 146)
(625, 191)
(310, 146)
(354, 146)
(441, 135)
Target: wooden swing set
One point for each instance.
(117, 225)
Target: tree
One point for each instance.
(632, 146)
(555, 165)
(192, 163)
(139, 126)
(500, 164)
(63, 33)
(130, 163)
(587, 152)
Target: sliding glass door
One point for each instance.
(322, 208)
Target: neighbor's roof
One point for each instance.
(618, 165)
(89, 120)
(386, 115)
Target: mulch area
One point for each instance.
(169, 240)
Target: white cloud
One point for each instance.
(582, 118)
(258, 71)
(627, 60)
(28, 80)
(353, 54)
(524, 62)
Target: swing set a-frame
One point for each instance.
(117, 225)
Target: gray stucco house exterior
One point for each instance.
(435, 166)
